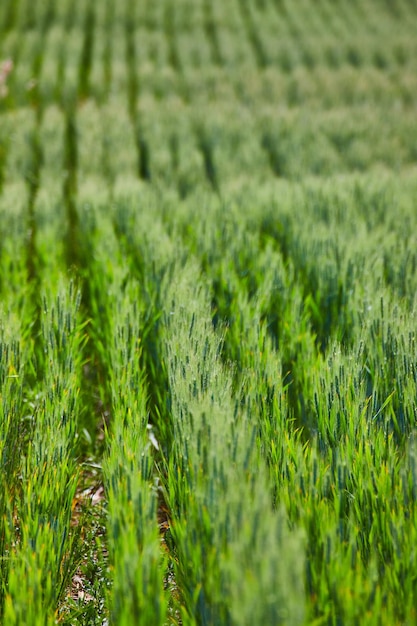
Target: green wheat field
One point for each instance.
(208, 307)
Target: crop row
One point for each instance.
(79, 89)
(238, 318)
(351, 399)
(102, 50)
(207, 319)
(193, 152)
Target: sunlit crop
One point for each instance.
(208, 278)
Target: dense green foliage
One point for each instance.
(208, 278)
